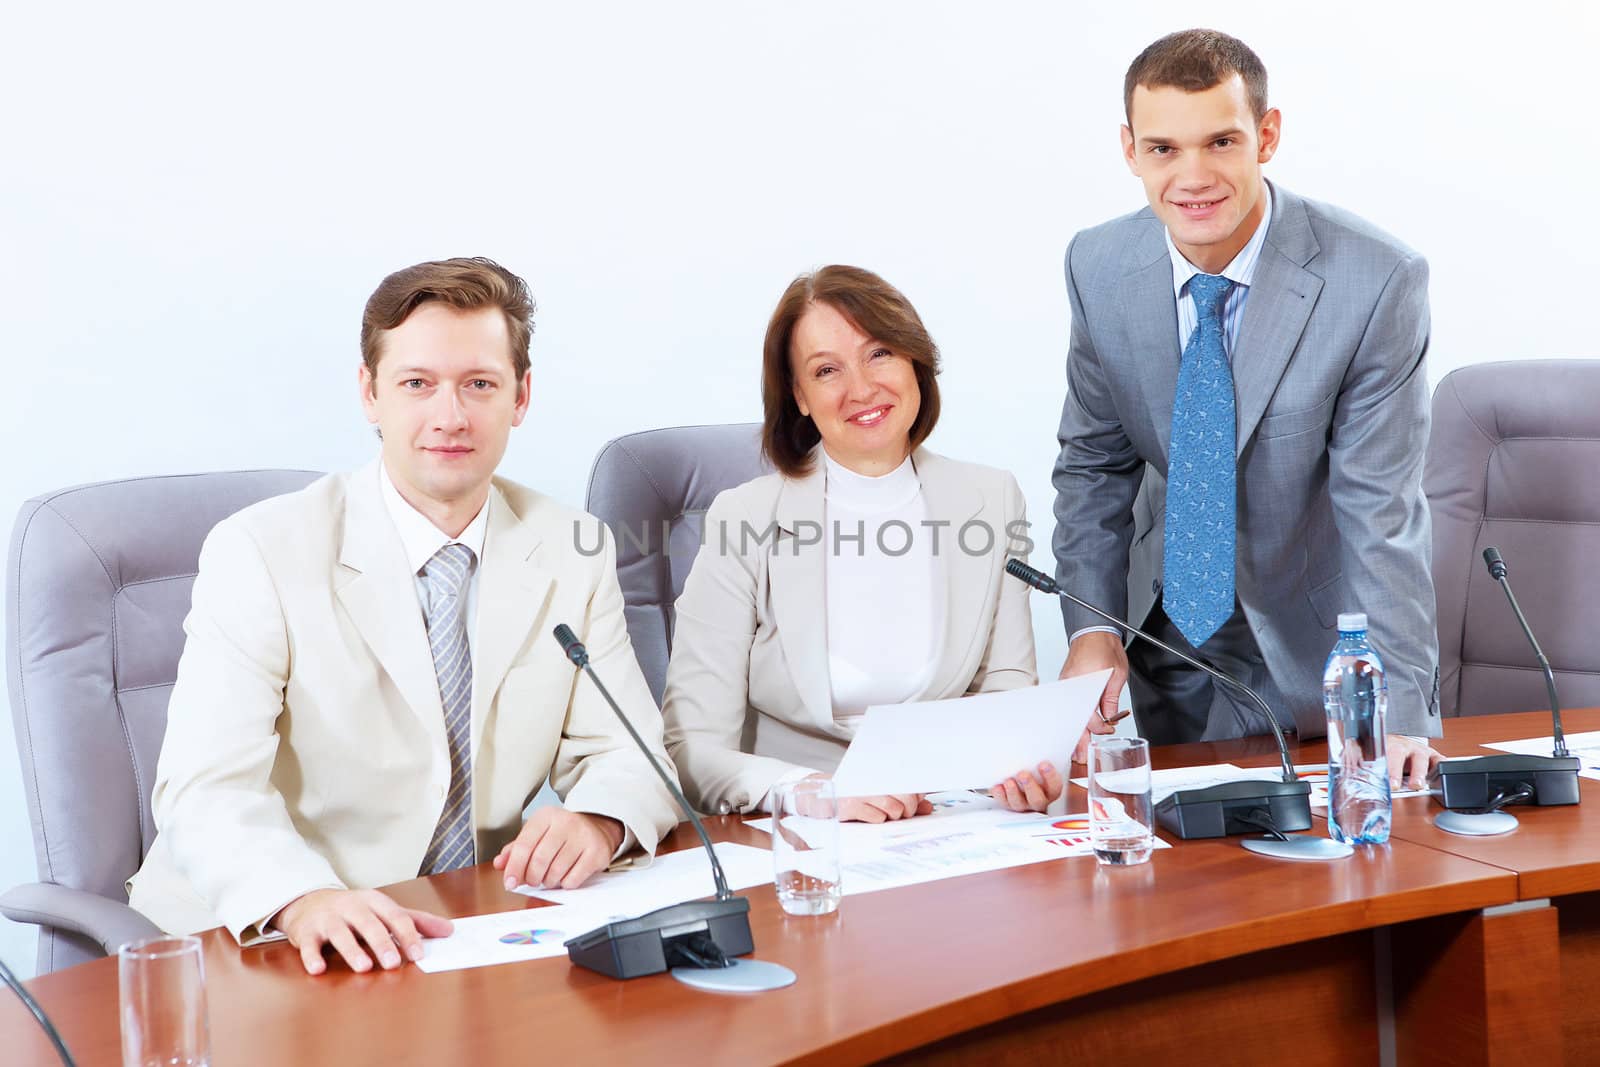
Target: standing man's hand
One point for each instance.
(559, 849)
(1092, 652)
(362, 925)
(1409, 761)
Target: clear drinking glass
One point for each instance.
(162, 987)
(1121, 817)
(805, 847)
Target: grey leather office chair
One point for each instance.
(97, 588)
(1514, 462)
(652, 489)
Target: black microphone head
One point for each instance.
(1039, 580)
(1497, 566)
(570, 644)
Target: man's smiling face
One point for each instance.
(1199, 156)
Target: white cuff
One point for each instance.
(1094, 630)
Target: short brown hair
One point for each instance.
(463, 283)
(1194, 61)
(874, 307)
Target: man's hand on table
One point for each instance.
(362, 925)
(1095, 651)
(559, 849)
(1410, 760)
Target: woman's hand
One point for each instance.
(1029, 792)
(883, 809)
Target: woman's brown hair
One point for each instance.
(874, 307)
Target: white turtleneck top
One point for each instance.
(884, 588)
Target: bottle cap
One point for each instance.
(1350, 621)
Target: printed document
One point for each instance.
(969, 742)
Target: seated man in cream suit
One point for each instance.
(370, 691)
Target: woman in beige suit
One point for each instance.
(867, 570)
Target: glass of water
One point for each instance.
(805, 847)
(162, 997)
(1121, 817)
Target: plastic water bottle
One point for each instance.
(1355, 696)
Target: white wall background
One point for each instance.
(195, 203)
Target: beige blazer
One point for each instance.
(305, 742)
(748, 697)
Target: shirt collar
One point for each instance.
(421, 538)
(1243, 267)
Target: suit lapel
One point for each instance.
(1150, 317)
(379, 593)
(512, 593)
(1282, 294)
(799, 591)
(948, 497)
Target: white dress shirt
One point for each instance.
(422, 540)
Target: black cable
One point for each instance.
(1524, 791)
(38, 1013)
(1261, 819)
(698, 950)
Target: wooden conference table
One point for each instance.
(1448, 947)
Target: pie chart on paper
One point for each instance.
(532, 937)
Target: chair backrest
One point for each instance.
(652, 489)
(1512, 464)
(97, 588)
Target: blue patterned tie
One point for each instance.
(446, 576)
(1197, 593)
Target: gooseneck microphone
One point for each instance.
(1218, 810)
(1497, 571)
(1481, 786)
(693, 938)
(38, 1014)
(1046, 584)
(579, 656)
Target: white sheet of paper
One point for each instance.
(1586, 746)
(1317, 775)
(1164, 783)
(670, 879)
(959, 838)
(507, 937)
(967, 743)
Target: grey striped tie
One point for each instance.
(446, 574)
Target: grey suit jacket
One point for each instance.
(748, 696)
(1332, 409)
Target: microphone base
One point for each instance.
(1299, 847)
(1475, 824)
(742, 976)
(699, 933)
(1473, 784)
(1236, 808)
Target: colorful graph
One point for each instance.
(532, 937)
(1072, 822)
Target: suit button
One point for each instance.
(1155, 585)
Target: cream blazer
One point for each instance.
(748, 697)
(305, 743)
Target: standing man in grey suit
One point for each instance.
(1243, 433)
